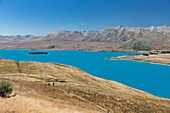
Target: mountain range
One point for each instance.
(118, 38)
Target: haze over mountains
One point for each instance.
(119, 38)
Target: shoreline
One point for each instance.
(75, 50)
(144, 59)
(144, 62)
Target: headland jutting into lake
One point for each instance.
(156, 57)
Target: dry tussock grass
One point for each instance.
(22, 104)
(30, 83)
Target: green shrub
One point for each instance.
(5, 88)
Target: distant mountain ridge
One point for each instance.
(107, 39)
(16, 36)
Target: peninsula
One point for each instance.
(158, 57)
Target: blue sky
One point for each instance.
(39, 17)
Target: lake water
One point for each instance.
(151, 78)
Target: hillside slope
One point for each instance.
(74, 91)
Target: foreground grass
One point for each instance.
(74, 91)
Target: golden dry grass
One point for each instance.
(35, 97)
(23, 104)
(79, 91)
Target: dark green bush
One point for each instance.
(5, 88)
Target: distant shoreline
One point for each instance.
(161, 59)
(144, 62)
(72, 50)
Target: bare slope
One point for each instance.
(75, 91)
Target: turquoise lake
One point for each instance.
(152, 78)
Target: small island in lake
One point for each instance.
(38, 53)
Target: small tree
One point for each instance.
(5, 88)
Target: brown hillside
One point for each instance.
(74, 91)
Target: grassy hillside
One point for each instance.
(74, 91)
